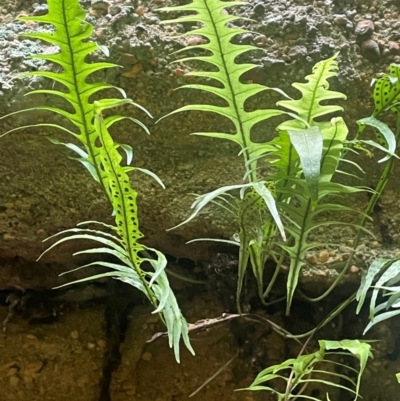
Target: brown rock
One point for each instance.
(394, 48)
(370, 50)
(364, 29)
(100, 5)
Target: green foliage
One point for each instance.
(304, 370)
(305, 154)
(101, 156)
(383, 273)
(313, 149)
(221, 55)
(224, 82)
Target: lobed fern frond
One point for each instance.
(224, 81)
(222, 55)
(315, 91)
(100, 155)
(305, 155)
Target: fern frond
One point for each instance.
(222, 55)
(304, 369)
(315, 91)
(153, 284)
(70, 35)
(102, 158)
(296, 205)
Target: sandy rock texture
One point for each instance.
(43, 192)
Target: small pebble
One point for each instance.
(74, 334)
(364, 29)
(370, 50)
(354, 269)
(323, 256)
(394, 47)
(351, 14)
(100, 5)
(340, 20)
(312, 259)
(114, 9)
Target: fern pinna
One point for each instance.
(305, 154)
(101, 156)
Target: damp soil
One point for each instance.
(103, 349)
(93, 351)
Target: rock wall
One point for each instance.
(43, 192)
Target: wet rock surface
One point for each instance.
(42, 192)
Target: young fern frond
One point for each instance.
(295, 204)
(305, 171)
(315, 91)
(304, 370)
(102, 159)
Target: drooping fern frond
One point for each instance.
(102, 159)
(124, 243)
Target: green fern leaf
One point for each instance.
(296, 205)
(102, 158)
(222, 54)
(309, 106)
(127, 225)
(296, 373)
(308, 144)
(70, 35)
(387, 91)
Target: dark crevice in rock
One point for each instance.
(121, 298)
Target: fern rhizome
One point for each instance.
(276, 213)
(101, 156)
